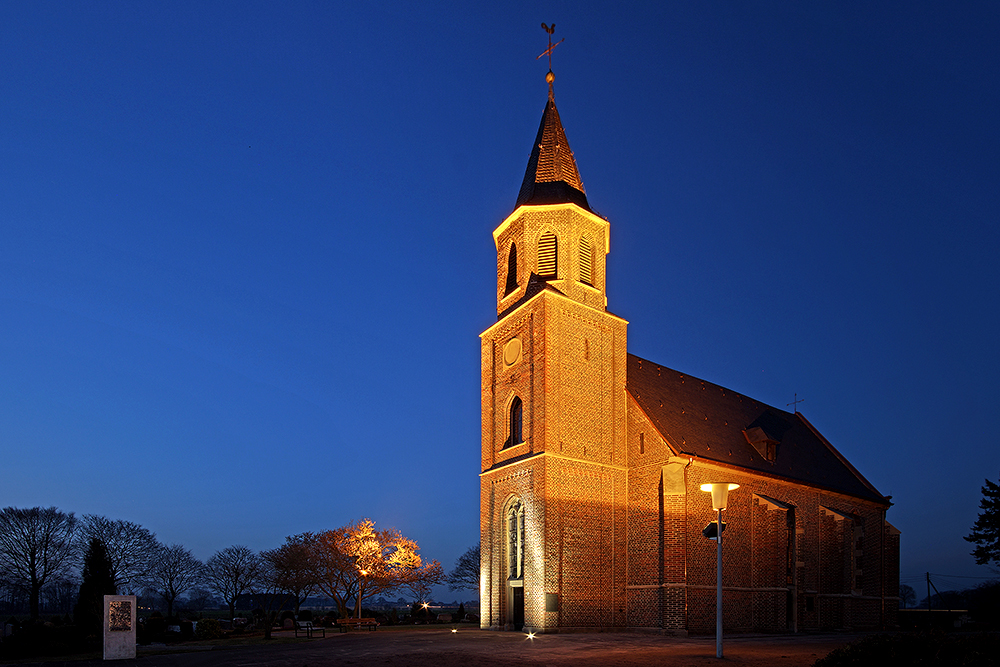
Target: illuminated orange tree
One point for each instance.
(358, 561)
(330, 568)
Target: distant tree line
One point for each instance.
(53, 562)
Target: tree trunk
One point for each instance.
(35, 593)
(268, 621)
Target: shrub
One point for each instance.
(306, 615)
(154, 627)
(208, 628)
(43, 640)
(927, 649)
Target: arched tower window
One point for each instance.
(515, 423)
(547, 251)
(586, 262)
(515, 540)
(511, 270)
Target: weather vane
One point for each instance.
(548, 51)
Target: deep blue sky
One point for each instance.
(246, 252)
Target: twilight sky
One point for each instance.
(246, 252)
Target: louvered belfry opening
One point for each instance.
(586, 262)
(547, 249)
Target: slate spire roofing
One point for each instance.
(552, 176)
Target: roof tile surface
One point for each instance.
(702, 419)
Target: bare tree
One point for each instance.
(58, 595)
(465, 576)
(289, 566)
(231, 573)
(131, 549)
(269, 592)
(199, 599)
(174, 571)
(421, 590)
(36, 546)
(907, 596)
(424, 578)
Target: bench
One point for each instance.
(308, 629)
(346, 624)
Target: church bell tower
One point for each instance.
(553, 408)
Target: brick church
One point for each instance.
(593, 458)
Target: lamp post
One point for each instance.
(361, 586)
(720, 495)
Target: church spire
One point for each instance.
(552, 176)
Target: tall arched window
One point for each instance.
(515, 540)
(516, 422)
(586, 262)
(513, 530)
(547, 252)
(511, 270)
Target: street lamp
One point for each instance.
(720, 495)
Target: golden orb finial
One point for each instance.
(550, 77)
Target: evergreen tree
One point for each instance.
(986, 531)
(98, 581)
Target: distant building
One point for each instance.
(592, 459)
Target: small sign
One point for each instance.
(119, 627)
(711, 531)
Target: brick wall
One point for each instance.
(613, 518)
(775, 554)
(570, 223)
(570, 469)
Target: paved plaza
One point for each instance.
(432, 647)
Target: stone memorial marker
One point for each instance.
(119, 627)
